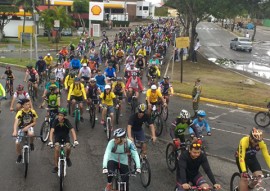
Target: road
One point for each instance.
(229, 125)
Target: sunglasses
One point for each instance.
(196, 145)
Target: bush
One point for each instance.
(161, 11)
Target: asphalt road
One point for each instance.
(229, 125)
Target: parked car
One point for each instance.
(66, 32)
(241, 43)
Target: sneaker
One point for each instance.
(121, 115)
(55, 170)
(82, 119)
(19, 159)
(32, 147)
(102, 122)
(69, 163)
(108, 187)
(96, 118)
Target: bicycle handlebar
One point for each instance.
(126, 174)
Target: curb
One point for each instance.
(243, 106)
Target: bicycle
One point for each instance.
(156, 118)
(108, 125)
(31, 91)
(172, 152)
(9, 86)
(92, 113)
(77, 116)
(134, 102)
(262, 118)
(145, 166)
(117, 182)
(62, 164)
(118, 110)
(46, 125)
(236, 178)
(25, 151)
(197, 188)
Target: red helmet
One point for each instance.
(20, 87)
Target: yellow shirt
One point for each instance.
(68, 81)
(122, 85)
(153, 97)
(26, 117)
(109, 98)
(48, 59)
(77, 91)
(244, 148)
(142, 52)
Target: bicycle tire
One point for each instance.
(133, 105)
(262, 119)
(45, 131)
(69, 107)
(92, 117)
(10, 90)
(232, 186)
(108, 127)
(117, 114)
(159, 125)
(145, 167)
(61, 175)
(77, 120)
(26, 161)
(165, 113)
(171, 157)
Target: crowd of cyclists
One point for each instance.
(112, 70)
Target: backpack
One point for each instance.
(126, 148)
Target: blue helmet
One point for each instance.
(201, 113)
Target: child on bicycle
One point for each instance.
(9, 76)
(200, 124)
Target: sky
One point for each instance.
(154, 1)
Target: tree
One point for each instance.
(5, 17)
(57, 13)
(81, 6)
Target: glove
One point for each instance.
(209, 133)
(50, 144)
(138, 171)
(76, 143)
(105, 171)
(244, 175)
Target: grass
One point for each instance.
(20, 62)
(219, 83)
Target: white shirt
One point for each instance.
(59, 73)
(23, 95)
(133, 83)
(197, 46)
(85, 72)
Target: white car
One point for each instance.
(241, 43)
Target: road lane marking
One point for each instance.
(240, 110)
(236, 133)
(217, 116)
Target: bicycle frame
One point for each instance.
(118, 180)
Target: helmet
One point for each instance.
(184, 114)
(107, 86)
(141, 108)
(40, 57)
(76, 79)
(7, 67)
(256, 134)
(53, 87)
(48, 54)
(72, 74)
(119, 78)
(201, 113)
(120, 132)
(29, 66)
(153, 87)
(62, 110)
(166, 77)
(93, 80)
(84, 64)
(20, 87)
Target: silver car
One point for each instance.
(241, 43)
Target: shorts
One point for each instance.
(21, 133)
(134, 89)
(119, 94)
(61, 140)
(110, 109)
(252, 164)
(139, 135)
(77, 98)
(32, 80)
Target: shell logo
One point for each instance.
(96, 10)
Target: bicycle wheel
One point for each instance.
(45, 131)
(165, 113)
(11, 90)
(77, 120)
(133, 104)
(108, 128)
(262, 119)
(26, 161)
(145, 173)
(92, 116)
(171, 157)
(159, 125)
(61, 175)
(234, 181)
(117, 114)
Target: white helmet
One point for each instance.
(120, 132)
(107, 86)
(84, 64)
(184, 114)
(153, 87)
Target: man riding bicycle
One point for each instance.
(92, 92)
(41, 67)
(134, 84)
(60, 130)
(101, 80)
(246, 158)
(49, 61)
(20, 95)
(153, 73)
(116, 157)
(166, 88)
(153, 96)
(33, 77)
(118, 88)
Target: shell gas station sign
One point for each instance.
(96, 11)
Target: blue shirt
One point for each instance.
(49, 84)
(100, 79)
(200, 126)
(109, 72)
(75, 64)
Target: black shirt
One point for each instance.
(61, 130)
(189, 168)
(137, 122)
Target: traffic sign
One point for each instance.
(182, 42)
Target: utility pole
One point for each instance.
(49, 4)
(34, 15)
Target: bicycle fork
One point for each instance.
(24, 153)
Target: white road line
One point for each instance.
(236, 133)
(217, 116)
(230, 109)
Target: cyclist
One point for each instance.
(188, 169)
(107, 100)
(118, 88)
(166, 88)
(84, 59)
(63, 53)
(109, 73)
(135, 130)
(130, 58)
(130, 69)
(113, 62)
(85, 73)
(41, 67)
(25, 121)
(10, 76)
(20, 95)
(47, 86)
(92, 92)
(141, 51)
(49, 60)
(152, 98)
(154, 60)
(134, 84)
(77, 93)
(60, 73)
(120, 54)
(153, 72)
(246, 158)
(75, 63)
(93, 65)
(140, 63)
(200, 123)
(116, 157)
(100, 78)
(2, 94)
(60, 130)
(69, 79)
(33, 77)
